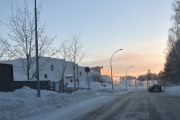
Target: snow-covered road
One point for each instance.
(78, 108)
(138, 105)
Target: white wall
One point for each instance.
(53, 75)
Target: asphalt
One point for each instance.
(138, 105)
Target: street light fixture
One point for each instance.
(111, 66)
(125, 75)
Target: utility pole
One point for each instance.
(37, 57)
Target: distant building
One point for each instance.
(50, 69)
(105, 73)
(102, 71)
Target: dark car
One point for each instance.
(155, 88)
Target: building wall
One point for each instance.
(50, 69)
(6, 77)
(106, 72)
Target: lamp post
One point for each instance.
(125, 75)
(111, 66)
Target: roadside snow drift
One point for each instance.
(23, 103)
(173, 90)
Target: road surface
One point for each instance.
(138, 105)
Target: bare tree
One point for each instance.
(96, 77)
(21, 24)
(63, 52)
(76, 54)
(3, 50)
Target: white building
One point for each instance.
(50, 69)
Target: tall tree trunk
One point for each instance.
(28, 68)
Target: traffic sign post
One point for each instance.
(87, 69)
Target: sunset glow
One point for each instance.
(142, 60)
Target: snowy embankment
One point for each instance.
(173, 90)
(24, 103)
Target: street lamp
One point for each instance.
(111, 67)
(125, 75)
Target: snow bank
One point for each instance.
(84, 84)
(173, 90)
(24, 102)
(95, 86)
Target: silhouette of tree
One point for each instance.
(172, 65)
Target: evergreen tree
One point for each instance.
(172, 65)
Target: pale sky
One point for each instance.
(139, 27)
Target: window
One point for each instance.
(45, 75)
(52, 68)
(80, 73)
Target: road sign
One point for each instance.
(87, 69)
